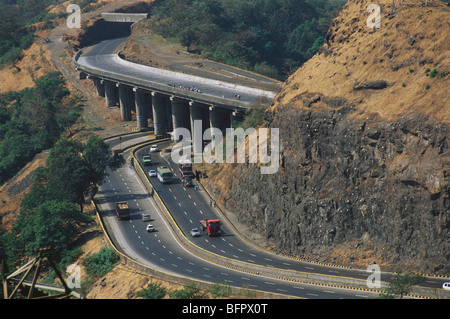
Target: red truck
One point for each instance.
(122, 210)
(186, 169)
(211, 227)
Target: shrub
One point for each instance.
(266, 69)
(53, 223)
(254, 116)
(189, 291)
(99, 264)
(433, 73)
(220, 291)
(153, 291)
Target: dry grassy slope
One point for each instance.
(33, 64)
(410, 43)
(12, 192)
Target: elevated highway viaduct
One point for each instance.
(170, 99)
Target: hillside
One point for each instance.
(403, 52)
(364, 173)
(37, 60)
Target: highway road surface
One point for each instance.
(160, 250)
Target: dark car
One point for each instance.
(187, 182)
(147, 160)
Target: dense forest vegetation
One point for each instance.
(16, 17)
(32, 120)
(272, 37)
(52, 210)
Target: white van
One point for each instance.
(446, 285)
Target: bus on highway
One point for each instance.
(164, 174)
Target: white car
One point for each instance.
(145, 217)
(150, 228)
(195, 232)
(154, 148)
(152, 173)
(446, 286)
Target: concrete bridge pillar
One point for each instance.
(82, 75)
(143, 104)
(99, 86)
(168, 108)
(111, 93)
(126, 100)
(196, 114)
(180, 113)
(159, 109)
(219, 118)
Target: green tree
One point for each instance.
(220, 290)
(53, 223)
(254, 115)
(68, 174)
(74, 170)
(49, 215)
(99, 156)
(401, 285)
(41, 107)
(16, 149)
(13, 38)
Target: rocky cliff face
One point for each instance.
(360, 180)
(381, 186)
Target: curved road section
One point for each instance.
(161, 250)
(101, 61)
